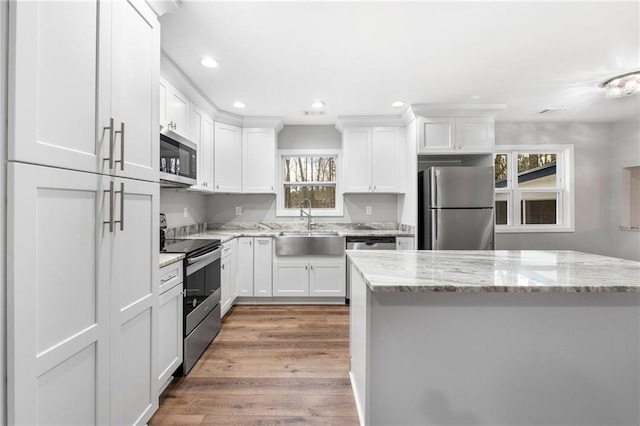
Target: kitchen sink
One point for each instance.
(309, 244)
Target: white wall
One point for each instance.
(625, 152)
(173, 202)
(309, 137)
(592, 145)
(262, 208)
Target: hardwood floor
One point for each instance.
(269, 365)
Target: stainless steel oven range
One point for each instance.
(201, 295)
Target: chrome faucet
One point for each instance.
(302, 213)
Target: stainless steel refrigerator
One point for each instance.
(455, 208)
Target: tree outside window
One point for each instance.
(312, 177)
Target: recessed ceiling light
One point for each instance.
(317, 104)
(209, 62)
(397, 104)
(239, 105)
(475, 97)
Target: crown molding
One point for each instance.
(457, 110)
(271, 122)
(160, 7)
(369, 121)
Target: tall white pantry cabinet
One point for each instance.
(82, 215)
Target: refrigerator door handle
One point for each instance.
(434, 227)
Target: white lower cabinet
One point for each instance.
(405, 243)
(82, 253)
(170, 321)
(255, 259)
(88, 356)
(319, 277)
(228, 287)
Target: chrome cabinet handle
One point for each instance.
(111, 201)
(311, 267)
(306, 267)
(169, 278)
(217, 186)
(121, 131)
(111, 140)
(121, 192)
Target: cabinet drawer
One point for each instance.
(170, 276)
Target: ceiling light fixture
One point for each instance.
(397, 104)
(622, 85)
(209, 62)
(317, 104)
(239, 105)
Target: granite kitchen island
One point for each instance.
(494, 338)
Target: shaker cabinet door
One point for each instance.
(59, 84)
(134, 89)
(58, 267)
(134, 302)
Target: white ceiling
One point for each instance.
(359, 57)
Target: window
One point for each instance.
(310, 175)
(534, 188)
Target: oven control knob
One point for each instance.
(195, 302)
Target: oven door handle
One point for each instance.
(214, 255)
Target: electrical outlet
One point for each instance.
(238, 211)
(369, 211)
(186, 212)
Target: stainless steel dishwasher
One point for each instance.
(367, 243)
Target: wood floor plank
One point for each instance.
(275, 365)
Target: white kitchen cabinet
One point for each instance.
(84, 86)
(201, 133)
(84, 79)
(290, 278)
(170, 321)
(327, 278)
(205, 155)
(258, 160)
(244, 267)
(228, 277)
(88, 356)
(255, 258)
(262, 263)
(459, 135)
(309, 276)
(174, 109)
(371, 158)
(227, 158)
(405, 243)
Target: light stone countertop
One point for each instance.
(228, 235)
(169, 258)
(495, 271)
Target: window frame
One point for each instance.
(565, 211)
(281, 211)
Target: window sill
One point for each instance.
(532, 229)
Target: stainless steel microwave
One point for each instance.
(178, 159)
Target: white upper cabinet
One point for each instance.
(372, 158)
(174, 109)
(227, 158)
(356, 163)
(205, 155)
(459, 135)
(83, 82)
(258, 160)
(201, 132)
